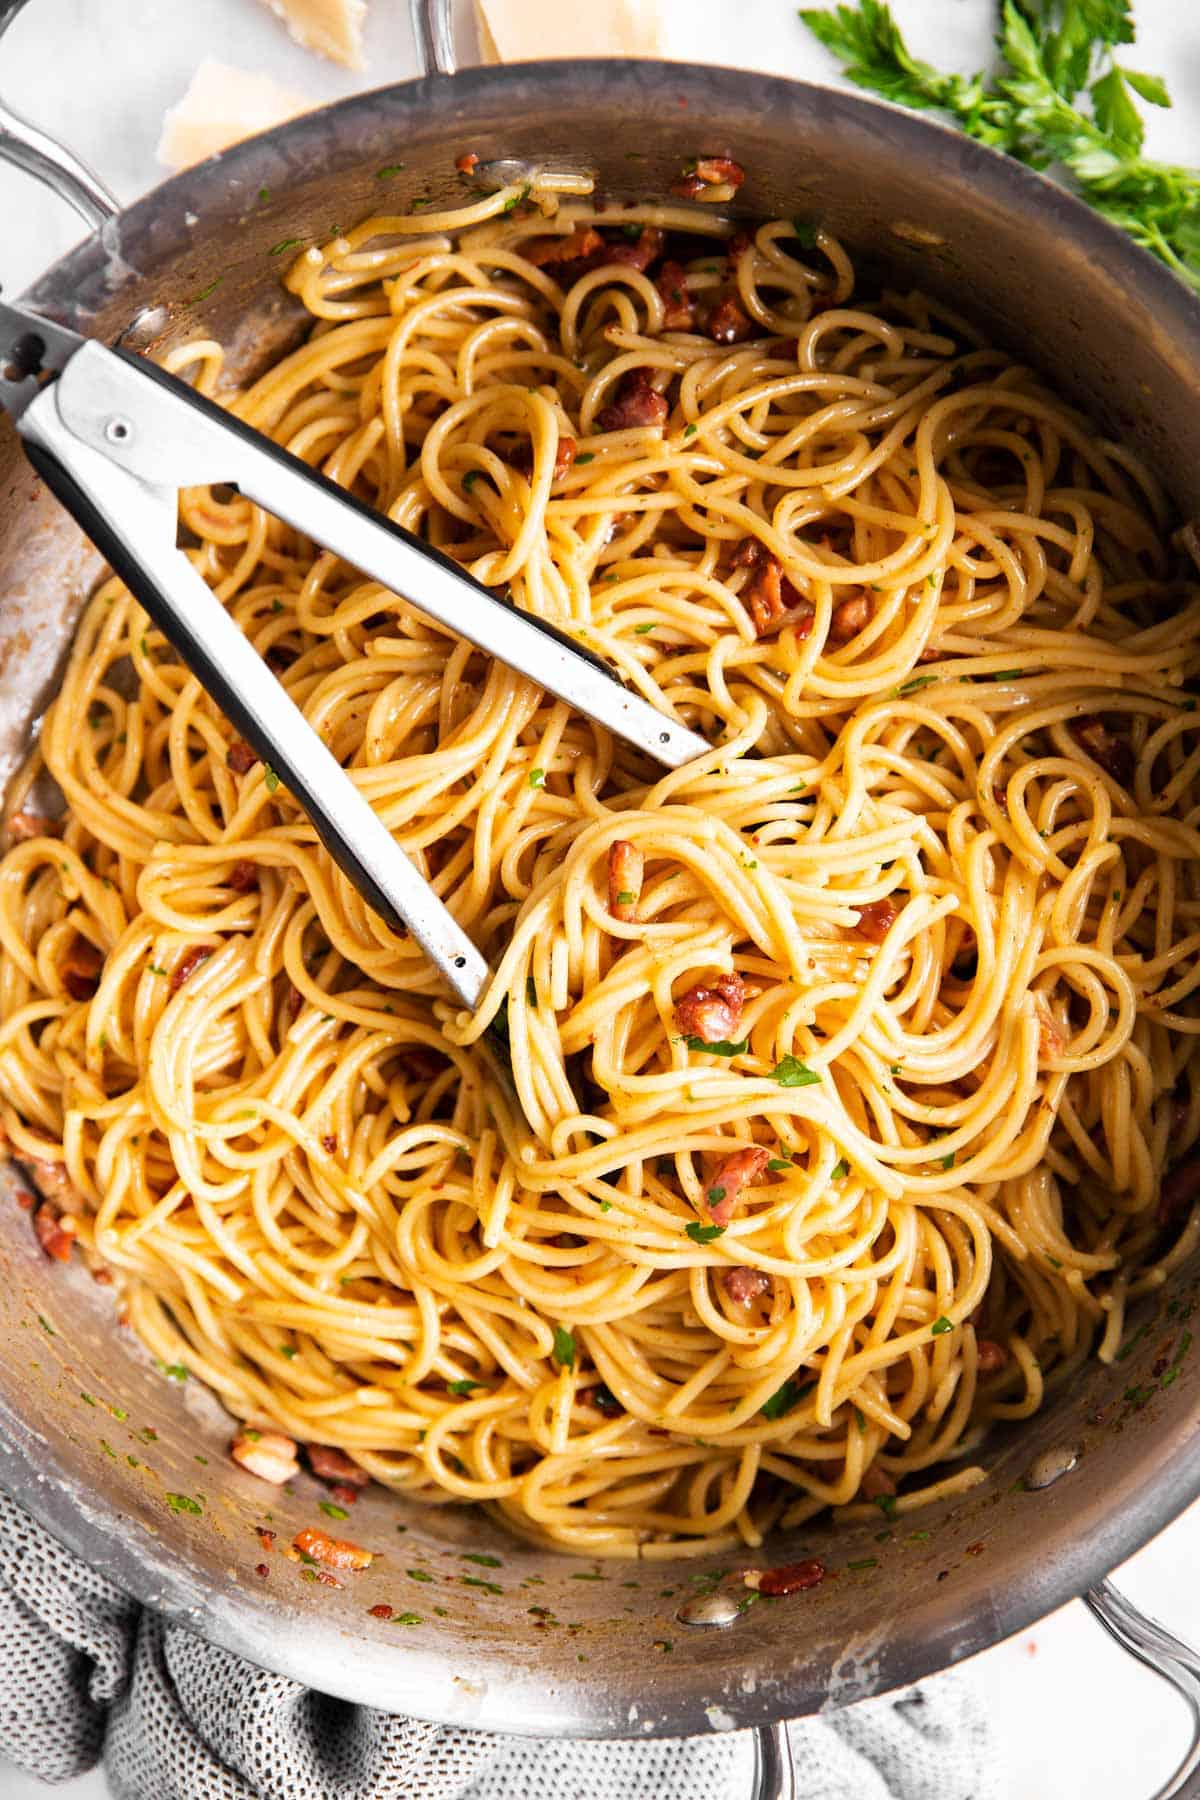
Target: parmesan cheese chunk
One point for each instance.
(526, 30)
(221, 106)
(332, 28)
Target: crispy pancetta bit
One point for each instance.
(745, 1286)
(329, 1464)
(876, 919)
(626, 868)
(712, 1012)
(768, 595)
(21, 826)
(741, 1170)
(334, 1553)
(267, 1454)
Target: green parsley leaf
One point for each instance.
(587, 457)
(715, 1195)
(947, 1161)
(391, 169)
(470, 478)
(537, 779)
(1058, 98)
(464, 1387)
(626, 897)
(418, 1574)
(703, 1234)
(864, 1562)
(804, 232)
(270, 778)
(173, 1371)
(886, 1504)
(641, 630)
(331, 1510)
(205, 292)
(721, 1046)
(778, 1163)
(284, 244)
(606, 1206)
(911, 687)
(564, 1348)
(940, 1326)
(785, 1397)
(690, 430)
(791, 1073)
(407, 1618)
(183, 1503)
(840, 1170)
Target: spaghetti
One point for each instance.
(852, 1054)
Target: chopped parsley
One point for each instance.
(840, 1170)
(721, 1047)
(174, 1371)
(791, 1072)
(587, 457)
(284, 244)
(785, 1397)
(642, 630)
(479, 1556)
(778, 1163)
(464, 1386)
(703, 1234)
(331, 1510)
(940, 1326)
(408, 1618)
(270, 777)
(537, 778)
(386, 173)
(805, 233)
(183, 1503)
(910, 687)
(418, 1574)
(205, 292)
(564, 1348)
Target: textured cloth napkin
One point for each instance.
(86, 1675)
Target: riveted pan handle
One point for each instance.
(1176, 1662)
(434, 34)
(39, 154)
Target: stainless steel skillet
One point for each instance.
(1043, 276)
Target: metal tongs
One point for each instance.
(115, 438)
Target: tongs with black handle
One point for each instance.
(115, 438)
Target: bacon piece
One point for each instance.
(849, 618)
(1113, 753)
(745, 1286)
(382, 1611)
(343, 1493)
(768, 595)
(679, 309)
(876, 1482)
(335, 1553)
(329, 1143)
(714, 1012)
(740, 1170)
(81, 970)
(638, 402)
(522, 457)
(55, 1232)
(240, 757)
(466, 165)
(626, 867)
(720, 171)
(267, 1454)
(1050, 1038)
(22, 826)
(990, 1356)
(328, 1464)
(876, 919)
(53, 1182)
(581, 245)
(791, 1578)
(728, 323)
(25, 1200)
(243, 876)
(187, 965)
(635, 253)
(1181, 1189)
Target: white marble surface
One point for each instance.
(1078, 1719)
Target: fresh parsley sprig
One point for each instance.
(1058, 99)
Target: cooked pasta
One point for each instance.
(847, 1059)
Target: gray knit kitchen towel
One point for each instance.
(86, 1675)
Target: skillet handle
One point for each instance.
(774, 1771)
(1168, 1657)
(434, 34)
(35, 151)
